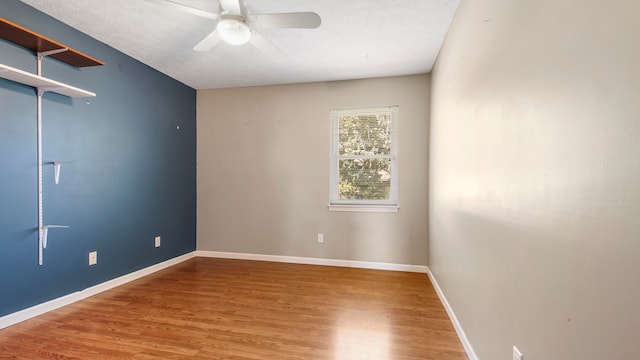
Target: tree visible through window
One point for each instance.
(363, 160)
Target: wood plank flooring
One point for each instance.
(208, 308)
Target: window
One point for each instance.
(364, 171)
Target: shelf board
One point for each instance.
(39, 43)
(42, 83)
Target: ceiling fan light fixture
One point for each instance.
(234, 31)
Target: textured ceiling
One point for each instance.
(357, 39)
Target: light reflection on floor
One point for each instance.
(362, 336)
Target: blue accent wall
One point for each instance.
(132, 176)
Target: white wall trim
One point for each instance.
(452, 316)
(57, 303)
(314, 261)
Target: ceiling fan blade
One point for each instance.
(300, 20)
(261, 43)
(231, 6)
(188, 9)
(208, 42)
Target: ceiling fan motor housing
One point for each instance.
(233, 29)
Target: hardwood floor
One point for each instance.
(234, 309)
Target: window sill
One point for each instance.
(364, 208)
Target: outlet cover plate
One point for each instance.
(157, 241)
(320, 238)
(93, 258)
(517, 355)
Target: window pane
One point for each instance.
(364, 179)
(365, 134)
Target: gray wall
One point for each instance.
(535, 179)
(263, 172)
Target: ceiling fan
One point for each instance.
(237, 26)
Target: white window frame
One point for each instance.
(387, 205)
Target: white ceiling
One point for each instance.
(357, 39)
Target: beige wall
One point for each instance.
(263, 172)
(535, 177)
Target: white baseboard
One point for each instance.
(314, 261)
(57, 303)
(454, 320)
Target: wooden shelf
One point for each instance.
(39, 43)
(42, 83)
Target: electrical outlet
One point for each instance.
(157, 241)
(320, 238)
(93, 258)
(516, 354)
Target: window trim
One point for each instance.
(390, 205)
(364, 208)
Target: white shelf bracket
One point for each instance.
(42, 244)
(46, 232)
(57, 165)
(51, 52)
(42, 54)
(56, 171)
